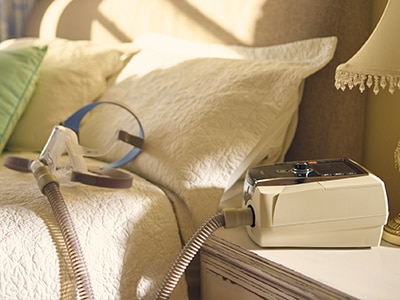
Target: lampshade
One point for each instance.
(377, 63)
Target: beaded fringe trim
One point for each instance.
(343, 78)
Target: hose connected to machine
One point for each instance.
(229, 218)
(49, 186)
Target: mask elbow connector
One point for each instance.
(42, 174)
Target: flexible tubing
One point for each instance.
(186, 255)
(84, 288)
(49, 186)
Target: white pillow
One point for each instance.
(73, 73)
(206, 119)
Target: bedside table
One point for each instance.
(234, 267)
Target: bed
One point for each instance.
(219, 86)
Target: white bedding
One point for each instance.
(129, 239)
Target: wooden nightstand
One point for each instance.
(233, 267)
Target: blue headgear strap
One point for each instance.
(74, 122)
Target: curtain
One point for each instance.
(13, 15)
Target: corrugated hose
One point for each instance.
(49, 186)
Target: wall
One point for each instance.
(382, 133)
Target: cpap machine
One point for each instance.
(316, 203)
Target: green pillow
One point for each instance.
(18, 75)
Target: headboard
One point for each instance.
(330, 122)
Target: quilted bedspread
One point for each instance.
(129, 239)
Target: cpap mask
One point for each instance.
(65, 138)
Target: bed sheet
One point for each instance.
(129, 238)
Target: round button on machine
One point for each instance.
(302, 168)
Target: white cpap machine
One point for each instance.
(320, 203)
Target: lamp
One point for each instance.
(377, 65)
